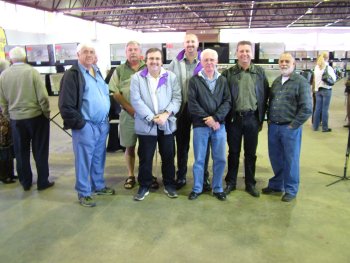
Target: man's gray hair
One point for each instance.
(17, 54)
(210, 51)
(4, 64)
(132, 42)
(85, 45)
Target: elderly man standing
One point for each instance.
(84, 105)
(156, 97)
(24, 100)
(289, 107)
(208, 103)
(185, 65)
(120, 84)
(249, 93)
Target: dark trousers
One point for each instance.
(147, 146)
(246, 128)
(183, 136)
(113, 143)
(35, 131)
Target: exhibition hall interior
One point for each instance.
(51, 226)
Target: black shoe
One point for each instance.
(328, 130)
(287, 197)
(170, 192)
(346, 126)
(193, 195)
(220, 195)
(252, 191)
(229, 188)
(206, 186)
(141, 193)
(48, 185)
(270, 191)
(8, 180)
(27, 188)
(180, 183)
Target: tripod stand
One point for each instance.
(344, 177)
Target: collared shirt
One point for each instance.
(96, 101)
(290, 102)
(210, 82)
(120, 80)
(152, 85)
(189, 69)
(246, 99)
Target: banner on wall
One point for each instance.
(3, 42)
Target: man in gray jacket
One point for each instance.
(155, 96)
(185, 65)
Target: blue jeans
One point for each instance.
(323, 99)
(284, 152)
(201, 136)
(89, 146)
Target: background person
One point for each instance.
(289, 107)
(249, 93)
(209, 102)
(156, 97)
(7, 173)
(84, 105)
(24, 100)
(323, 93)
(185, 65)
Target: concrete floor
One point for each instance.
(51, 226)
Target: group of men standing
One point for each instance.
(161, 106)
(228, 107)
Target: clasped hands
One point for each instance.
(160, 119)
(210, 122)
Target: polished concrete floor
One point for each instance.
(51, 226)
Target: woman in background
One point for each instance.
(323, 93)
(7, 172)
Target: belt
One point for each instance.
(280, 123)
(322, 88)
(245, 113)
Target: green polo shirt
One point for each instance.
(120, 81)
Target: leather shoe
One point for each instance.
(220, 195)
(193, 195)
(287, 197)
(48, 185)
(328, 130)
(27, 188)
(252, 191)
(229, 188)
(180, 183)
(270, 191)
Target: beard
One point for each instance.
(286, 71)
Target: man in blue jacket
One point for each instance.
(84, 105)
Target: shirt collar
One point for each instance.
(182, 55)
(203, 75)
